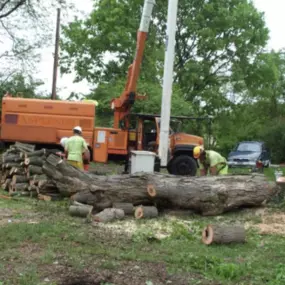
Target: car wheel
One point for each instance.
(183, 165)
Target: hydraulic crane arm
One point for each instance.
(123, 104)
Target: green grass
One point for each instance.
(29, 248)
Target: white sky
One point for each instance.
(274, 16)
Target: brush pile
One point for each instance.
(22, 173)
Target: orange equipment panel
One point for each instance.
(109, 141)
(45, 121)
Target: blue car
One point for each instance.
(247, 153)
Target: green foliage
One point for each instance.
(212, 37)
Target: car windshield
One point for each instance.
(254, 147)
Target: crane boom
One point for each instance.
(123, 104)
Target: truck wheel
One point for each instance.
(184, 165)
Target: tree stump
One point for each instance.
(214, 234)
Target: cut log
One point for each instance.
(108, 215)
(18, 171)
(38, 153)
(210, 195)
(143, 212)
(6, 184)
(32, 170)
(37, 178)
(12, 164)
(80, 211)
(49, 197)
(128, 208)
(25, 146)
(19, 187)
(19, 179)
(21, 194)
(34, 160)
(223, 234)
(11, 158)
(33, 194)
(33, 188)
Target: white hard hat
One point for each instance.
(63, 141)
(77, 128)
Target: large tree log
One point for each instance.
(38, 153)
(223, 234)
(207, 195)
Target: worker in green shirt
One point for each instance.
(75, 146)
(210, 160)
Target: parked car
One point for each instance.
(247, 153)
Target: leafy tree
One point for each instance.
(18, 84)
(212, 37)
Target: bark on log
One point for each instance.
(34, 160)
(128, 208)
(38, 153)
(37, 178)
(11, 158)
(19, 187)
(12, 164)
(109, 215)
(25, 146)
(6, 184)
(49, 197)
(80, 211)
(206, 195)
(142, 212)
(19, 179)
(32, 170)
(223, 234)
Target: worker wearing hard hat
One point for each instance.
(211, 161)
(75, 147)
(85, 156)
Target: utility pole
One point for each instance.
(167, 81)
(55, 63)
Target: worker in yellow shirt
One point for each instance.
(210, 161)
(74, 148)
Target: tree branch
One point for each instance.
(17, 5)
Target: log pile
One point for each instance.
(22, 173)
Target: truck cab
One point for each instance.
(145, 136)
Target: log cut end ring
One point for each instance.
(151, 190)
(207, 235)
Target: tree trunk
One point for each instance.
(109, 215)
(128, 208)
(206, 195)
(223, 234)
(80, 211)
(142, 212)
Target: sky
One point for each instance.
(274, 17)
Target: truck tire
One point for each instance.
(183, 165)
